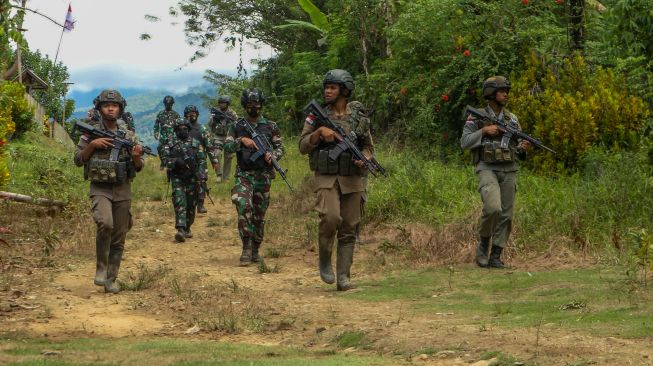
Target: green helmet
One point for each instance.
(181, 122)
(109, 95)
(191, 108)
(252, 95)
(168, 99)
(224, 99)
(340, 77)
(494, 83)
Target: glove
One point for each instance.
(180, 164)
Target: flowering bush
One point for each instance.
(14, 111)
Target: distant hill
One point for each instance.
(145, 104)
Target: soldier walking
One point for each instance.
(340, 185)
(496, 169)
(251, 194)
(182, 159)
(110, 171)
(206, 148)
(163, 126)
(219, 126)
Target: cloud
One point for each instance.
(119, 77)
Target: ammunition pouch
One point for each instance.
(320, 162)
(99, 170)
(491, 152)
(243, 156)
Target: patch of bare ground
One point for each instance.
(197, 290)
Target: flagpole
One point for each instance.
(61, 38)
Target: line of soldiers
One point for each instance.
(340, 184)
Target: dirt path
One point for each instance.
(300, 309)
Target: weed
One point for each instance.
(213, 222)
(143, 278)
(275, 252)
(349, 339)
(264, 268)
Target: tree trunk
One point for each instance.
(577, 24)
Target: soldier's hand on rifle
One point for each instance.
(328, 135)
(525, 144)
(492, 130)
(248, 143)
(102, 143)
(268, 158)
(137, 151)
(360, 163)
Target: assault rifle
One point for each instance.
(347, 141)
(118, 141)
(263, 146)
(192, 165)
(215, 112)
(510, 131)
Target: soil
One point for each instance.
(300, 310)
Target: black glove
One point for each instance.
(180, 164)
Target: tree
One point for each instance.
(55, 75)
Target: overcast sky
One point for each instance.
(104, 50)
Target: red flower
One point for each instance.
(560, 2)
(445, 98)
(403, 91)
(525, 2)
(445, 136)
(467, 53)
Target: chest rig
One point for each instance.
(113, 165)
(331, 158)
(189, 151)
(497, 149)
(252, 159)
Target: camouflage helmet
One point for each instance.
(191, 108)
(168, 99)
(181, 122)
(340, 77)
(109, 95)
(127, 117)
(252, 95)
(494, 83)
(224, 99)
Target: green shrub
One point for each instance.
(15, 119)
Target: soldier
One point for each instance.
(201, 134)
(340, 185)
(496, 170)
(251, 194)
(182, 159)
(129, 120)
(110, 173)
(164, 123)
(219, 127)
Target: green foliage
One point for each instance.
(15, 118)
(55, 75)
(10, 21)
(574, 107)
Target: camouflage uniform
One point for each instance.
(251, 194)
(164, 124)
(207, 148)
(183, 179)
(129, 119)
(219, 128)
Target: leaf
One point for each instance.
(145, 37)
(318, 18)
(152, 18)
(299, 24)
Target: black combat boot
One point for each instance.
(102, 261)
(200, 206)
(481, 252)
(345, 257)
(255, 247)
(111, 284)
(180, 236)
(246, 256)
(187, 233)
(326, 270)
(495, 257)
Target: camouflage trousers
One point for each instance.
(184, 198)
(204, 177)
(251, 195)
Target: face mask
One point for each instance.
(182, 134)
(192, 119)
(252, 112)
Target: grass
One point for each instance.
(144, 277)
(170, 352)
(523, 299)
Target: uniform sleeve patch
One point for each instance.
(310, 119)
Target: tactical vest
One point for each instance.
(110, 165)
(195, 133)
(243, 154)
(220, 127)
(188, 151)
(490, 150)
(343, 165)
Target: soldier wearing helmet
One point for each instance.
(206, 149)
(340, 185)
(110, 171)
(163, 126)
(219, 127)
(496, 169)
(183, 160)
(251, 193)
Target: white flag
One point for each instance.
(70, 21)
